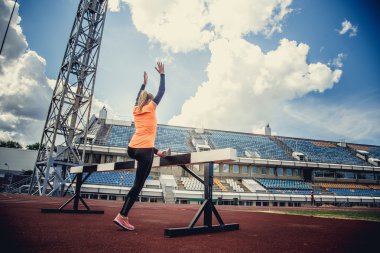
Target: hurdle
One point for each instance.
(182, 160)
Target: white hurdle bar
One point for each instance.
(216, 155)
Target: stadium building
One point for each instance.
(269, 170)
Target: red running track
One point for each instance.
(23, 228)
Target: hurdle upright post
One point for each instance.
(209, 180)
(207, 208)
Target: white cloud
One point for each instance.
(338, 61)
(337, 121)
(347, 27)
(232, 19)
(182, 26)
(114, 5)
(25, 91)
(246, 88)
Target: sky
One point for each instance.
(308, 68)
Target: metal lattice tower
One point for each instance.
(65, 133)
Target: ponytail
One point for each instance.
(144, 99)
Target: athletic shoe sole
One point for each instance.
(124, 228)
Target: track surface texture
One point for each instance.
(23, 228)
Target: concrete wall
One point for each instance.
(17, 159)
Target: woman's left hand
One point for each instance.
(145, 78)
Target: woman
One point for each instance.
(141, 147)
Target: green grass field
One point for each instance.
(338, 214)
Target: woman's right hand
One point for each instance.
(160, 68)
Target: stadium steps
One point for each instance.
(180, 185)
(103, 133)
(239, 182)
(226, 185)
(288, 150)
(189, 143)
(220, 185)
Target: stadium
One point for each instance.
(269, 170)
(270, 180)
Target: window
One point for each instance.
(86, 158)
(296, 172)
(244, 169)
(328, 173)
(318, 173)
(96, 158)
(196, 167)
(350, 175)
(339, 174)
(236, 168)
(226, 168)
(368, 176)
(216, 168)
(280, 172)
(120, 159)
(271, 171)
(289, 172)
(108, 159)
(264, 171)
(255, 170)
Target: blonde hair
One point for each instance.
(144, 99)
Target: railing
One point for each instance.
(15, 187)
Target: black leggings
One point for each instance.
(144, 157)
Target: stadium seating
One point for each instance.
(303, 192)
(173, 137)
(252, 185)
(234, 185)
(192, 184)
(374, 152)
(341, 185)
(120, 136)
(184, 140)
(117, 178)
(349, 189)
(354, 192)
(219, 184)
(375, 187)
(323, 152)
(286, 186)
(263, 145)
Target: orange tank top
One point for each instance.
(145, 125)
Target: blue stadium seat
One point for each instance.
(286, 186)
(115, 178)
(323, 154)
(266, 148)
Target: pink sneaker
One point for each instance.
(164, 153)
(123, 222)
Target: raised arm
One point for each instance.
(142, 87)
(161, 90)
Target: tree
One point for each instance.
(35, 146)
(27, 172)
(10, 144)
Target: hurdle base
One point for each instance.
(173, 232)
(51, 210)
